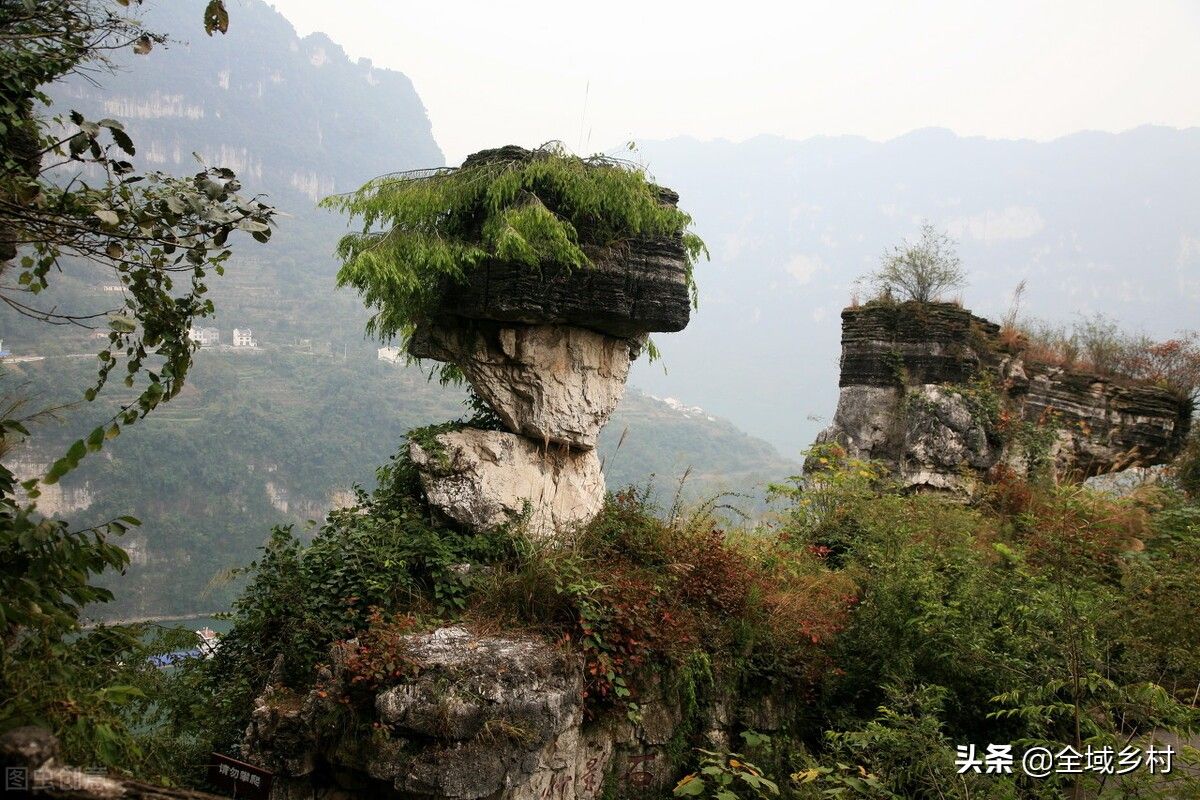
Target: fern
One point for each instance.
(545, 207)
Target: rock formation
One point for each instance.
(930, 391)
(482, 716)
(551, 383)
(484, 479)
(548, 350)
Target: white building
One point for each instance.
(243, 337)
(207, 337)
(392, 355)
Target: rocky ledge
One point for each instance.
(478, 716)
(928, 390)
(634, 287)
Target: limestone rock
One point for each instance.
(484, 479)
(552, 383)
(634, 288)
(906, 371)
(493, 704)
(486, 716)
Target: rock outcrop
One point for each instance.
(548, 350)
(929, 390)
(552, 383)
(484, 479)
(500, 717)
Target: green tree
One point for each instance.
(921, 271)
(70, 199)
(537, 208)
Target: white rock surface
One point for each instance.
(552, 383)
(484, 479)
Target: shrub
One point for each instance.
(1097, 344)
(638, 594)
(921, 271)
(904, 625)
(383, 556)
(537, 208)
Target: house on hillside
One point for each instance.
(207, 337)
(392, 355)
(243, 337)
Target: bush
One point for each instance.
(384, 555)
(922, 271)
(639, 595)
(904, 625)
(1097, 344)
(1045, 615)
(537, 208)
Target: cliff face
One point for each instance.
(480, 716)
(930, 391)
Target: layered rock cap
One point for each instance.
(929, 390)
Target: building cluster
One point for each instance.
(392, 355)
(211, 337)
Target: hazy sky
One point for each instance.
(597, 74)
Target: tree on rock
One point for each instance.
(921, 271)
(509, 209)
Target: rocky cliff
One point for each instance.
(931, 391)
(484, 716)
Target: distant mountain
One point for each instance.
(1093, 222)
(294, 117)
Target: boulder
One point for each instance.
(552, 383)
(484, 479)
(483, 715)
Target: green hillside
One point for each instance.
(280, 436)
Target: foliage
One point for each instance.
(1187, 466)
(149, 231)
(539, 209)
(97, 692)
(639, 595)
(906, 742)
(69, 193)
(69, 196)
(921, 271)
(905, 626)
(820, 502)
(379, 557)
(725, 776)
(1095, 343)
(1058, 618)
